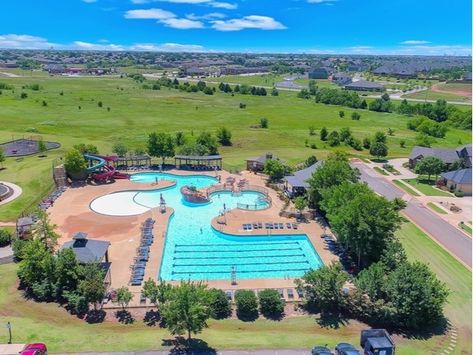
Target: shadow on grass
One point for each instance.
(332, 320)
(125, 317)
(247, 316)
(426, 332)
(180, 345)
(152, 318)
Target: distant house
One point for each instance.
(91, 251)
(458, 180)
(364, 86)
(55, 68)
(448, 156)
(466, 78)
(341, 79)
(194, 71)
(318, 73)
(257, 164)
(297, 183)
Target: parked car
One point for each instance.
(346, 349)
(35, 349)
(321, 350)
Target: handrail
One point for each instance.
(255, 207)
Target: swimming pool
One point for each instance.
(196, 251)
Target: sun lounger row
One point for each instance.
(142, 253)
(49, 200)
(259, 225)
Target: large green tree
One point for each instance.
(74, 162)
(429, 166)
(92, 286)
(379, 150)
(187, 309)
(206, 139)
(274, 169)
(270, 304)
(224, 136)
(161, 145)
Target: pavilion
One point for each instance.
(196, 162)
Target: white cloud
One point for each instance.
(210, 16)
(182, 23)
(149, 14)
(89, 1)
(222, 5)
(167, 47)
(15, 41)
(326, 2)
(80, 45)
(415, 42)
(211, 3)
(253, 21)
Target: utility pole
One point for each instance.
(9, 332)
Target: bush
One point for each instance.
(74, 162)
(247, 305)
(5, 238)
(100, 104)
(219, 305)
(264, 122)
(242, 105)
(355, 116)
(23, 95)
(459, 193)
(271, 305)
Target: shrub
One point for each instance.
(23, 95)
(271, 305)
(459, 193)
(264, 122)
(5, 237)
(355, 116)
(219, 305)
(242, 105)
(99, 104)
(247, 305)
(313, 146)
(75, 162)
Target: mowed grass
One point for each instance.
(257, 80)
(135, 112)
(405, 187)
(465, 227)
(436, 208)
(63, 332)
(434, 95)
(426, 187)
(457, 277)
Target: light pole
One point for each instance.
(9, 332)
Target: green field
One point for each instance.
(321, 83)
(258, 80)
(135, 112)
(426, 187)
(433, 95)
(457, 277)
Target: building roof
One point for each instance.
(87, 250)
(197, 157)
(262, 159)
(444, 154)
(365, 84)
(300, 177)
(380, 342)
(462, 176)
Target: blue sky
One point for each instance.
(311, 26)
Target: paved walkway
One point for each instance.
(451, 238)
(17, 191)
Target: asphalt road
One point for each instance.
(453, 240)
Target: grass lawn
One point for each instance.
(381, 171)
(433, 95)
(63, 333)
(426, 187)
(457, 277)
(261, 80)
(436, 208)
(465, 227)
(405, 187)
(135, 112)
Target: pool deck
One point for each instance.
(71, 213)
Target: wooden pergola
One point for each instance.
(192, 162)
(135, 160)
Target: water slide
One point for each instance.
(101, 171)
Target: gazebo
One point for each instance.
(135, 160)
(194, 162)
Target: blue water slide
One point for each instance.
(99, 165)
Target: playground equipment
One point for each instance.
(102, 170)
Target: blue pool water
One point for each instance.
(194, 250)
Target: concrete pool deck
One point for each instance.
(71, 213)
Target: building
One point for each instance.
(341, 79)
(318, 73)
(91, 251)
(257, 164)
(446, 155)
(458, 181)
(297, 183)
(466, 78)
(364, 86)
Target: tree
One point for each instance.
(380, 137)
(42, 147)
(187, 309)
(74, 162)
(219, 304)
(246, 305)
(180, 139)
(86, 148)
(429, 166)
(341, 114)
(303, 94)
(100, 104)
(323, 134)
(300, 203)
(224, 136)
(311, 131)
(366, 143)
(67, 272)
(416, 294)
(333, 139)
(355, 116)
(120, 149)
(161, 145)
(310, 161)
(274, 169)
(207, 140)
(274, 92)
(264, 122)
(379, 150)
(124, 296)
(92, 286)
(157, 293)
(345, 134)
(45, 232)
(323, 288)
(270, 304)
(2, 157)
(5, 238)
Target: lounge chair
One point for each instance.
(289, 225)
(290, 293)
(281, 225)
(281, 292)
(294, 226)
(276, 226)
(255, 225)
(260, 225)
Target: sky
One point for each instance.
(425, 27)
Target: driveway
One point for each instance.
(453, 240)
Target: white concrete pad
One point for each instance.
(118, 204)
